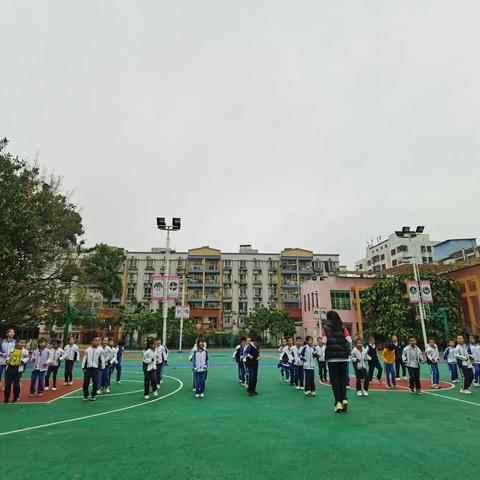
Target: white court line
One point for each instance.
(453, 398)
(77, 419)
(64, 395)
(106, 395)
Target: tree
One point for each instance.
(388, 311)
(268, 319)
(102, 265)
(40, 233)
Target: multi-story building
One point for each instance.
(455, 249)
(222, 288)
(391, 252)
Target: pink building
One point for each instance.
(342, 294)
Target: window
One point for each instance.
(429, 249)
(243, 278)
(392, 252)
(424, 259)
(382, 257)
(131, 292)
(227, 321)
(430, 259)
(394, 262)
(227, 264)
(257, 292)
(243, 307)
(243, 264)
(227, 306)
(423, 249)
(308, 302)
(340, 299)
(150, 264)
(132, 278)
(133, 263)
(243, 292)
(304, 303)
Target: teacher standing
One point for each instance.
(337, 352)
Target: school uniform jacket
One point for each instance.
(449, 355)
(93, 357)
(432, 354)
(200, 360)
(462, 356)
(372, 352)
(161, 354)
(40, 359)
(308, 355)
(360, 358)
(150, 359)
(56, 355)
(254, 352)
(297, 361)
(320, 353)
(412, 357)
(6, 347)
(286, 355)
(474, 351)
(72, 352)
(23, 359)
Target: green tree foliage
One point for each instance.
(389, 312)
(268, 319)
(39, 238)
(102, 266)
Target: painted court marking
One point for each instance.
(106, 395)
(109, 412)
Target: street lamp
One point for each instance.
(407, 233)
(162, 225)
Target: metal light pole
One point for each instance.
(161, 225)
(183, 305)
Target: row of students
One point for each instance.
(247, 356)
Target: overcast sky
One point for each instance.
(313, 124)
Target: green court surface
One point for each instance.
(227, 435)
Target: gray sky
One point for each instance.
(313, 124)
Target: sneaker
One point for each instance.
(412, 390)
(30, 395)
(202, 395)
(250, 394)
(99, 392)
(40, 395)
(197, 395)
(46, 389)
(345, 405)
(365, 393)
(394, 386)
(379, 380)
(302, 388)
(93, 399)
(388, 386)
(297, 388)
(419, 392)
(107, 390)
(161, 381)
(158, 385)
(476, 384)
(15, 400)
(54, 389)
(194, 390)
(338, 408)
(313, 394)
(404, 378)
(85, 399)
(155, 393)
(436, 387)
(70, 383)
(359, 393)
(466, 391)
(308, 392)
(146, 397)
(119, 382)
(66, 383)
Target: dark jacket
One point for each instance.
(254, 352)
(337, 345)
(372, 353)
(398, 351)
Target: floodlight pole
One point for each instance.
(421, 306)
(165, 285)
(183, 309)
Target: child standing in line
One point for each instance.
(15, 361)
(104, 381)
(56, 355)
(39, 368)
(322, 363)
(451, 361)
(399, 365)
(308, 355)
(464, 360)
(298, 364)
(91, 365)
(412, 357)
(238, 357)
(113, 359)
(244, 360)
(161, 356)
(149, 360)
(200, 365)
(374, 362)
(360, 359)
(432, 359)
(252, 357)
(118, 364)
(283, 372)
(72, 355)
(388, 356)
(474, 350)
(287, 359)
(6, 347)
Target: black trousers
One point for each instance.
(90, 374)
(298, 375)
(52, 370)
(467, 376)
(362, 374)
(252, 377)
(414, 378)
(12, 377)
(337, 372)
(149, 381)
(372, 365)
(322, 370)
(69, 370)
(309, 380)
(400, 365)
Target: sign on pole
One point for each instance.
(160, 282)
(179, 309)
(320, 313)
(413, 291)
(426, 289)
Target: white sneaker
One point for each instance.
(54, 389)
(119, 382)
(194, 390)
(302, 388)
(107, 390)
(66, 383)
(313, 394)
(297, 388)
(46, 389)
(197, 395)
(365, 394)
(70, 383)
(307, 392)
(161, 381)
(158, 385)
(146, 397)
(202, 395)
(468, 392)
(404, 378)
(99, 392)
(359, 393)
(155, 393)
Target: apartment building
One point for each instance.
(222, 288)
(391, 252)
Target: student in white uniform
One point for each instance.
(91, 365)
(150, 369)
(56, 355)
(72, 355)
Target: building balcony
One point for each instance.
(291, 285)
(290, 271)
(195, 285)
(212, 285)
